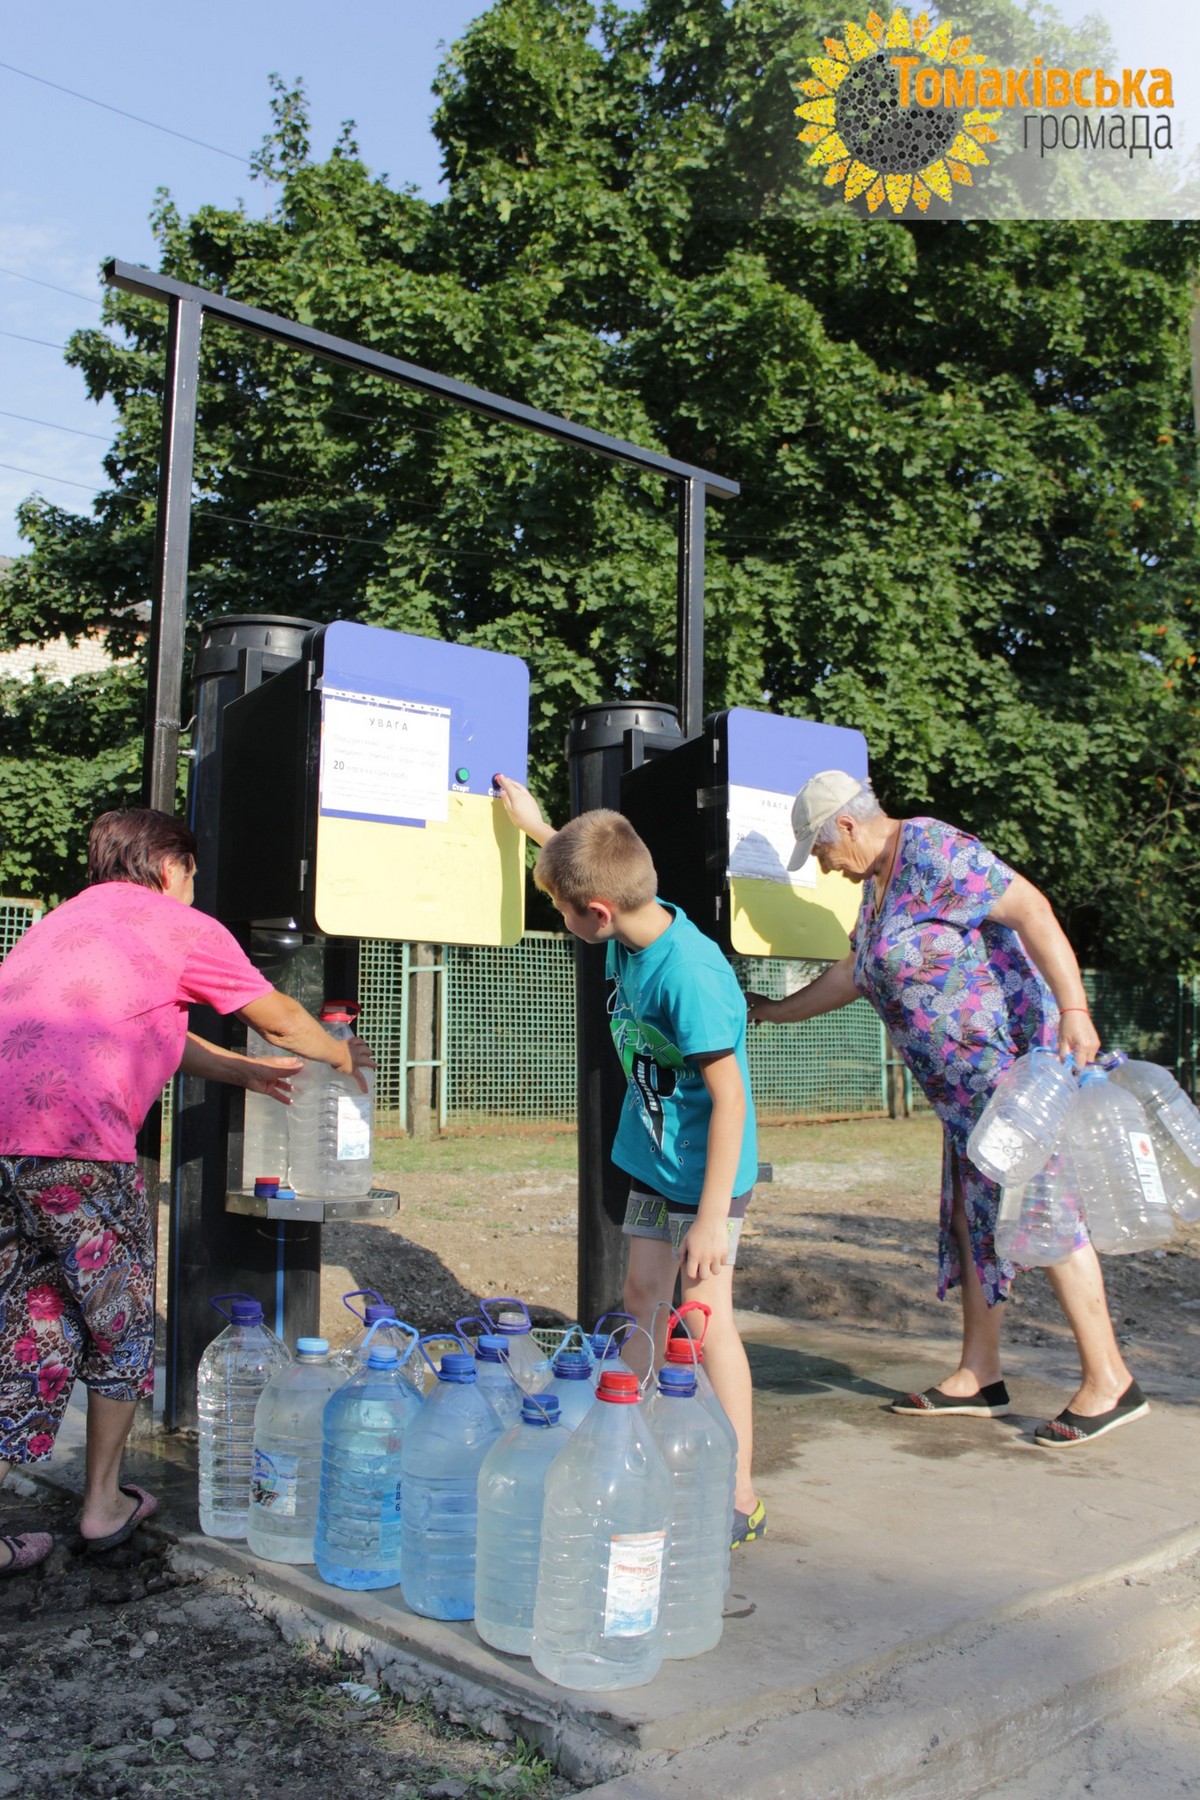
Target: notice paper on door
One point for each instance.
(384, 759)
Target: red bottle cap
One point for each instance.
(685, 1351)
(619, 1387)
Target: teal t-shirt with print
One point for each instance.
(671, 1002)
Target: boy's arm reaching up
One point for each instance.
(523, 810)
(706, 1245)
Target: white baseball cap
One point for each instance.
(819, 799)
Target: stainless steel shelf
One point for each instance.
(380, 1203)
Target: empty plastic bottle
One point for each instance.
(233, 1371)
(265, 1124)
(1174, 1129)
(495, 1382)
(1018, 1128)
(358, 1540)
(605, 1344)
(511, 1495)
(597, 1618)
(330, 1120)
(528, 1364)
(286, 1482)
(572, 1386)
(1039, 1222)
(1120, 1187)
(701, 1464)
(443, 1451)
(380, 1326)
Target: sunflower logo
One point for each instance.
(863, 137)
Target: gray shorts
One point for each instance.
(651, 1215)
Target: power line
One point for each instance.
(53, 286)
(22, 339)
(122, 114)
(40, 475)
(101, 437)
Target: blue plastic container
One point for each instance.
(511, 1494)
(358, 1541)
(440, 1462)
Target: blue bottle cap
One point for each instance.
(491, 1348)
(385, 1310)
(246, 1312)
(539, 1409)
(383, 1358)
(313, 1346)
(603, 1345)
(457, 1365)
(677, 1382)
(1092, 1074)
(572, 1365)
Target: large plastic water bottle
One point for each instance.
(358, 1540)
(701, 1464)
(1039, 1222)
(597, 1619)
(265, 1124)
(1174, 1129)
(380, 1326)
(1120, 1187)
(233, 1371)
(528, 1364)
(440, 1463)
(330, 1122)
(494, 1380)
(511, 1494)
(286, 1483)
(605, 1344)
(1018, 1128)
(572, 1386)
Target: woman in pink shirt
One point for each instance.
(93, 1022)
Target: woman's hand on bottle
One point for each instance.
(358, 1056)
(1077, 1036)
(272, 1075)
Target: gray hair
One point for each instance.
(862, 805)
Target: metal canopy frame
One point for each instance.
(187, 308)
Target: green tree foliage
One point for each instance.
(966, 450)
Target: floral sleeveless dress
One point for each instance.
(961, 1001)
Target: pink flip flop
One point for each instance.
(28, 1549)
(146, 1506)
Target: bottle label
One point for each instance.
(353, 1128)
(635, 1562)
(1146, 1164)
(274, 1482)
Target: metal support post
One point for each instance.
(597, 756)
(690, 608)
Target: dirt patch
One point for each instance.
(121, 1679)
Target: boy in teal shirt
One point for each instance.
(686, 1136)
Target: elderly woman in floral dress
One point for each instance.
(968, 968)
(93, 1021)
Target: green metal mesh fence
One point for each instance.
(834, 1064)
(381, 976)
(16, 916)
(510, 1029)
